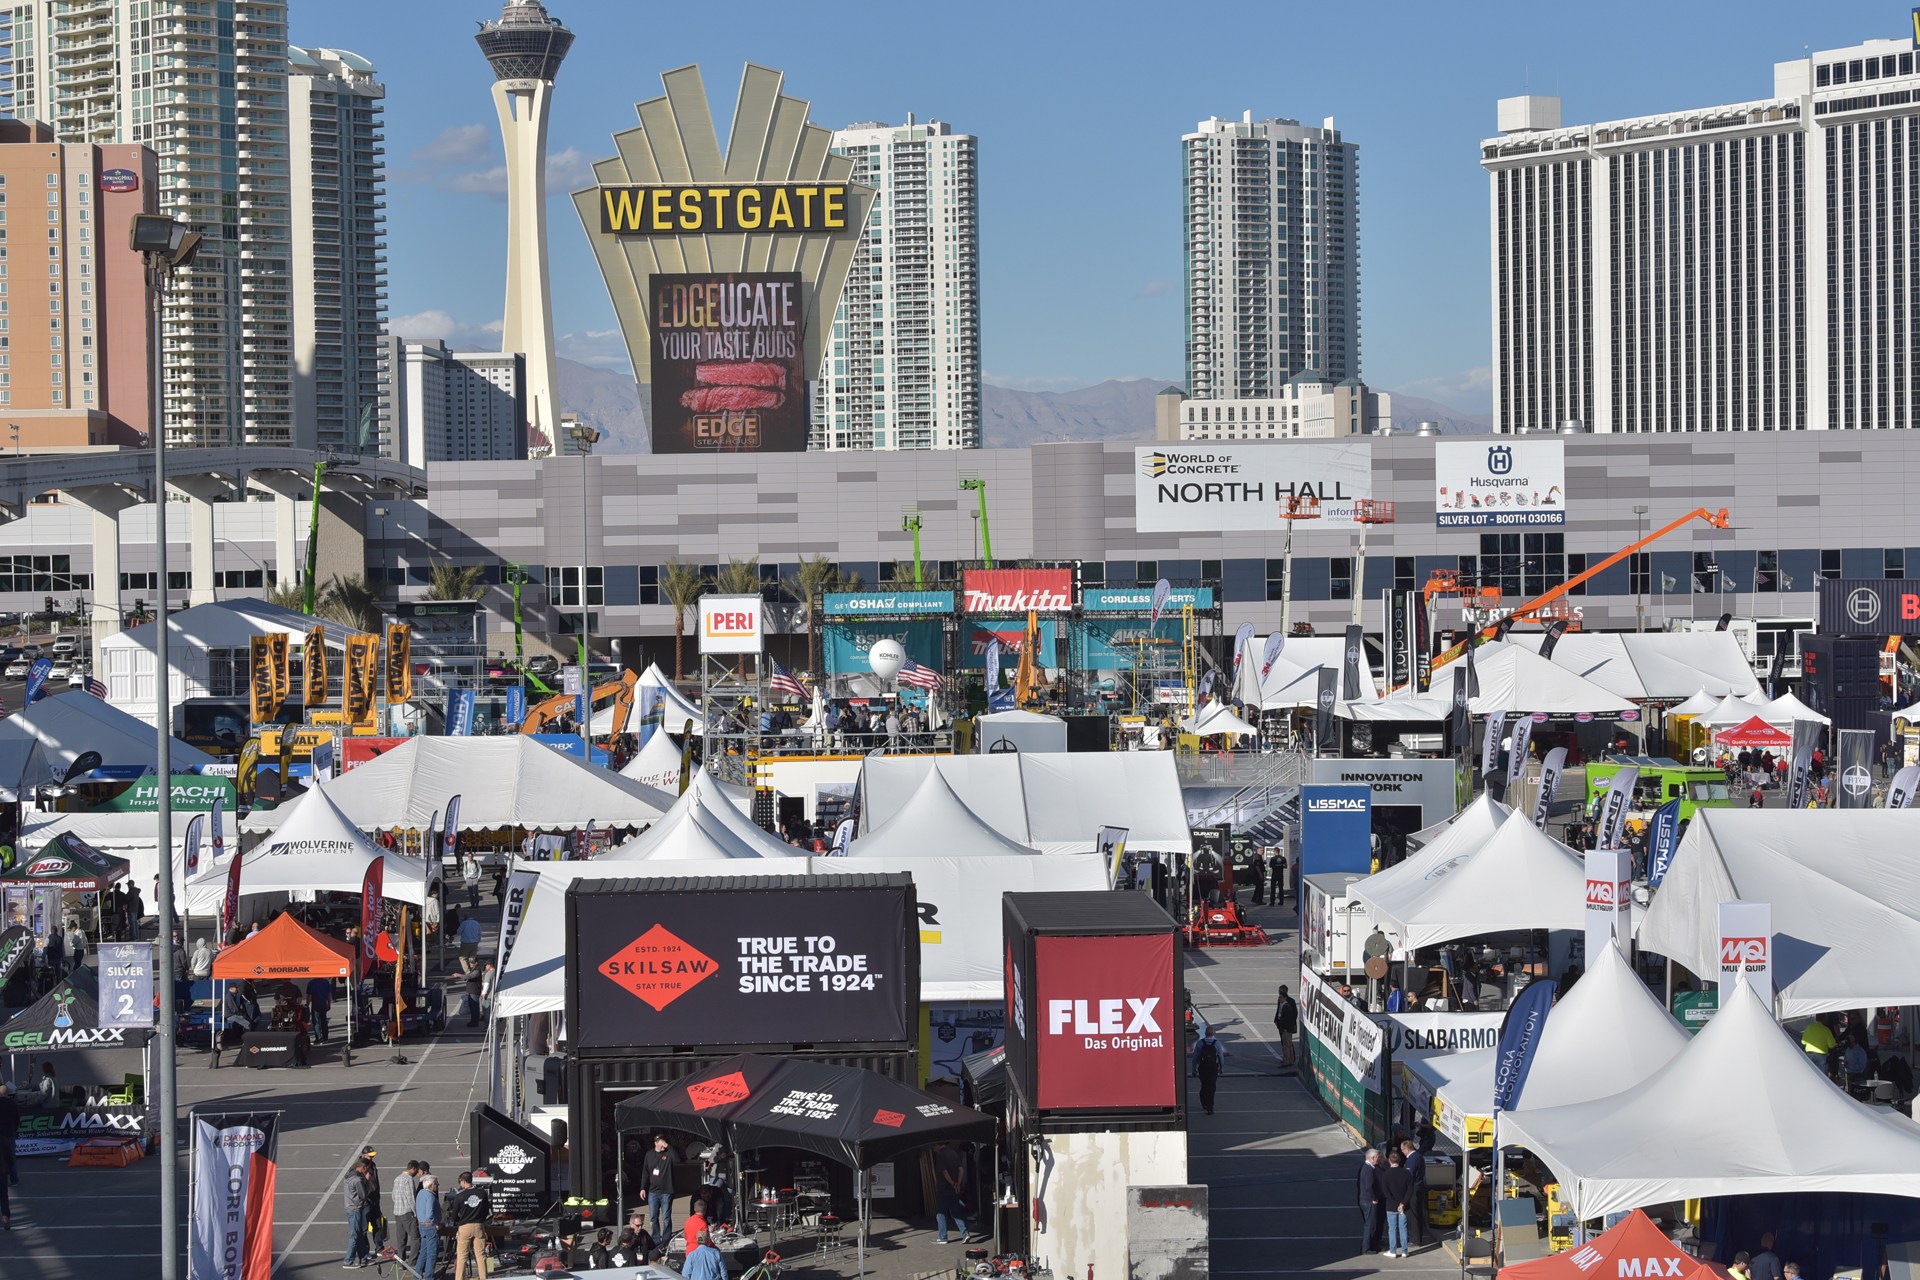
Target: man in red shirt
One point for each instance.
(696, 1224)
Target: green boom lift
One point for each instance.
(979, 486)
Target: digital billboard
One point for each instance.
(728, 376)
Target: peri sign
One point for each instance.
(1240, 488)
(1512, 484)
(730, 624)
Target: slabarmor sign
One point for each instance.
(1240, 488)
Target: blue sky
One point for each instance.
(1079, 110)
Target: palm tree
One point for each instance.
(807, 584)
(739, 578)
(456, 582)
(681, 586)
(351, 602)
(288, 595)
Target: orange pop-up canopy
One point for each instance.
(285, 949)
(1634, 1241)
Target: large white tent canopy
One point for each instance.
(1476, 823)
(1606, 1034)
(1698, 705)
(132, 835)
(656, 765)
(1294, 679)
(1517, 879)
(55, 731)
(509, 781)
(1734, 710)
(1513, 678)
(1741, 1110)
(1652, 665)
(1057, 802)
(1215, 719)
(1844, 886)
(935, 823)
(317, 849)
(703, 825)
(681, 716)
(959, 902)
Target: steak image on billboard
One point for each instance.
(1094, 1022)
(728, 368)
(741, 961)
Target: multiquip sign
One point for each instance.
(730, 624)
(1240, 488)
(1746, 949)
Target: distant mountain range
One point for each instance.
(1117, 409)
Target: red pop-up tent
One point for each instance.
(1754, 732)
(1633, 1247)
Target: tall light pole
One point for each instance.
(1639, 596)
(584, 438)
(166, 246)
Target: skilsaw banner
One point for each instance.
(728, 374)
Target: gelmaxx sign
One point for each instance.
(1240, 488)
(1512, 484)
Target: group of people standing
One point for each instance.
(1393, 1201)
(419, 1213)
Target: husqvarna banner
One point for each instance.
(234, 1163)
(1513, 483)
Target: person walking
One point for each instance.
(949, 1191)
(355, 1201)
(471, 1208)
(136, 912)
(404, 1222)
(1286, 1021)
(1417, 1209)
(320, 999)
(469, 936)
(1372, 1201)
(376, 1207)
(656, 1184)
(1208, 1058)
(76, 946)
(1396, 1186)
(428, 1215)
(470, 873)
(470, 1002)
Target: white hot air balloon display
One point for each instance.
(886, 658)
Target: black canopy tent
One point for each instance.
(849, 1115)
(984, 1077)
(69, 863)
(66, 1021)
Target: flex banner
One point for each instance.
(234, 1165)
(313, 668)
(399, 662)
(362, 670)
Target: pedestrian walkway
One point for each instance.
(1282, 1176)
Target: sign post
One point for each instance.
(1746, 949)
(1609, 902)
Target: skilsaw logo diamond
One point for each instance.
(658, 967)
(707, 1094)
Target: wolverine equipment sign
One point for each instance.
(727, 371)
(1240, 488)
(1093, 1023)
(741, 962)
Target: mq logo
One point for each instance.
(1744, 953)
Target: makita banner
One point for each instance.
(1549, 780)
(1746, 949)
(234, 1165)
(1663, 842)
(1855, 772)
(979, 636)
(1017, 590)
(1519, 1037)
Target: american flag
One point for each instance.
(97, 687)
(784, 681)
(915, 676)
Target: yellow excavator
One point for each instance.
(617, 693)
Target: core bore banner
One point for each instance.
(234, 1164)
(728, 372)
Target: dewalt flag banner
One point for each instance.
(260, 682)
(282, 669)
(362, 667)
(399, 662)
(313, 663)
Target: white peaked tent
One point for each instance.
(1844, 886)
(1513, 678)
(1735, 710)
(935, 823)
(1214, 719)
(1655, 665)
(1741, 1110)
(1056, 801)
(1698, 705)
(1518, 879)
(1294, 680)
(703, 825)
(1607, 1034)
(318, 848)
(1403, 708)
(1481, 818)
(131, 835)
(656, 765)
(682, 716)
(55, 731)
(508, 781)
(1910, 714)
(1786, 708)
